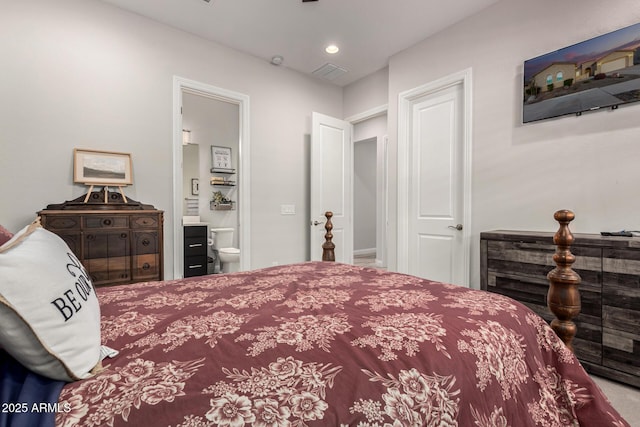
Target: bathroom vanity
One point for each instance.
(195, 250)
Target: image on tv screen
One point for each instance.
(603, 72)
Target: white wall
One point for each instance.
(81, 73)
(367, 93)
(522, 174)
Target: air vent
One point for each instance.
(329, 71)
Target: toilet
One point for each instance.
(222, 239)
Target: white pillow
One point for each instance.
(49, 313)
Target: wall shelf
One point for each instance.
(224, 171)
(222, 200)
(214, 206)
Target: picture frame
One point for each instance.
(221, 158)
(93, 167)
(195, 186)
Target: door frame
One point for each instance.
(382, 205)
(180, 85)
(406, 100)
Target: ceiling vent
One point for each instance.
(329, 71)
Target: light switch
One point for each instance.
(287, 209)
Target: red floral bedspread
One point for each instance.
(326, 344)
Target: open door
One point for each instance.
(331, 185)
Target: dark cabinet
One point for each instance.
(195, 250)
(117, 242)
(516, 264)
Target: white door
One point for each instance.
(331, 185)
(435, 237)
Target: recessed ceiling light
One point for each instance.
(332, 48)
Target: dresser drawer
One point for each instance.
(146, 267)
(145, 221)
(108, 270)
(195, 266)
(115, 221)
(195, 246)
(145, 242)
(60, 223)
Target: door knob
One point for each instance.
(456, 227)
(316, 223)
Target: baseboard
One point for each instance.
(365, 252)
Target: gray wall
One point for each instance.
(81, 73)
(521, 173)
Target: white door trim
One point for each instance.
(406, 100)
(380, 110)
(181, 84)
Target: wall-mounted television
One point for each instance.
(602, 72)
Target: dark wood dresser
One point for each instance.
(516, 264)
(118, 242)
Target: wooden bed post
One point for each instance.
(328, 247)
(563, 297)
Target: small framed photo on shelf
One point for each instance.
(101, 167)
(221, 158)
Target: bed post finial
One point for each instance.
(563, 297)
(328, 252)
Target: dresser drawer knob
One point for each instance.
(146, 266)
(123, 235)
(106, 222)
(146, 242)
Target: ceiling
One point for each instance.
(368, 32)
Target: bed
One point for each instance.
(330, 344)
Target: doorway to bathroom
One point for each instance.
(210, 122)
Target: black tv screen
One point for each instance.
(603, 72)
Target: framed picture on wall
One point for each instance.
(221, 158)
(195, 186)
(101, 167)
